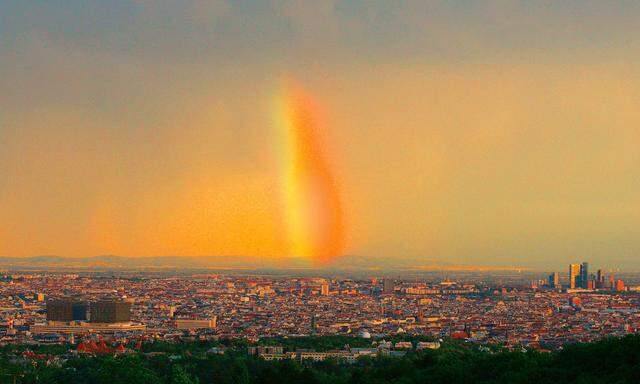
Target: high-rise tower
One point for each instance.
(600, 279)
(554, 280)
(584, 275)
(574, 275)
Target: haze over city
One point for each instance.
(488, 133)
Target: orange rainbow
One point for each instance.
(312, 208)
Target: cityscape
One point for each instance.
(61, 318)
(540, 314)
(319, 192)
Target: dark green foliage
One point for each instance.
(609, 361)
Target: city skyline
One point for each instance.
(66, 327)
(426, 134)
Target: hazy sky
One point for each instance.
(464, 132)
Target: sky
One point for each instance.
(493, 133)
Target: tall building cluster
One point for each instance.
(580, 278)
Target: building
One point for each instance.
(85, 328)
(620, 286)
(600, 279)
(574, 275)
(612, 282)
(66, 310)
(584, 275)
(324, 289)
(388, 286)
(266, 349)
(403, 345)
(428, 345)
(195, 323)
(110, 311)
(554, 280)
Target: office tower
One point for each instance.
(612, 282)
(324, 290)
(554, 280)
(110, 311)
(600, 279)
(66, 310)
(584, 275)
(574, 275)
(59, 310)
(620, 286)
(388, 286)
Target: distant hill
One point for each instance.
(347, 262)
